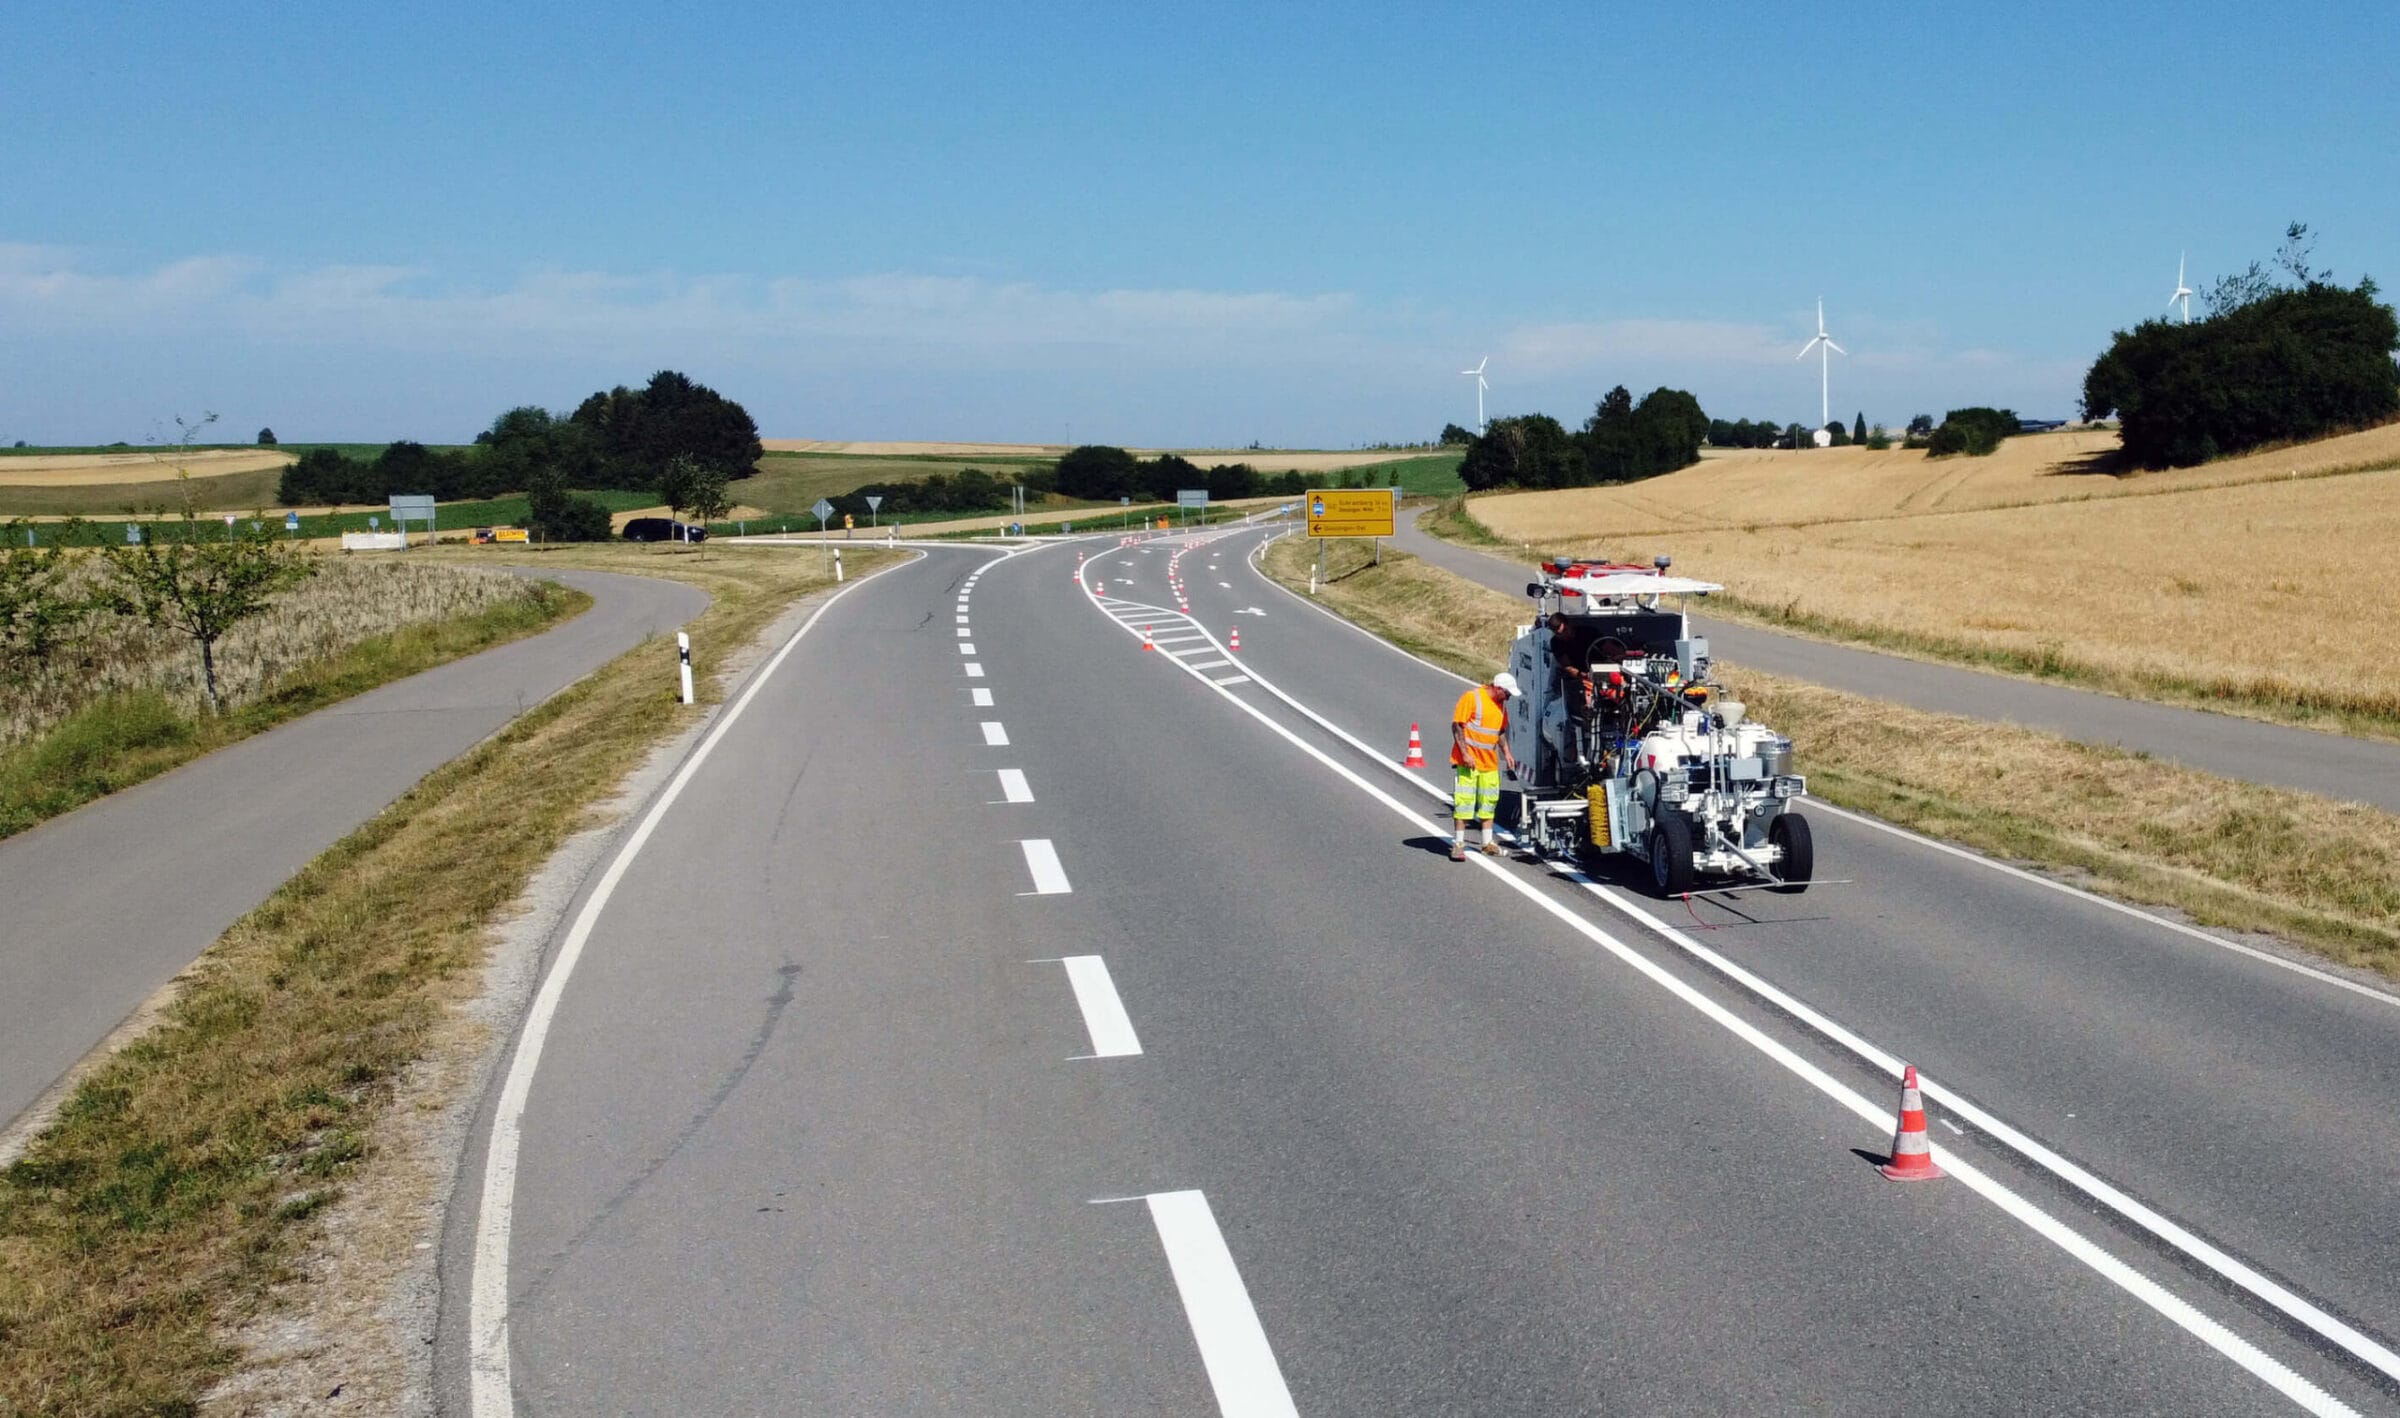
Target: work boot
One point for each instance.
(1490, 847)
(1458, 851)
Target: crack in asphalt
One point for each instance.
(788, 973)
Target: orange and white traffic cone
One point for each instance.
(1235, 644)
(1912, 1156)
(1146, 639)
(1416, 749)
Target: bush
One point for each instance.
(2292, 364)
(266, 438)
(1095, 473)
(1974, 431)
(565, 517)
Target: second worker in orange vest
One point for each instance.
(1478, 746)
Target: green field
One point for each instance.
(220, 492)
(790, 483)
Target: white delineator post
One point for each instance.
(683, 652)
(837, 565)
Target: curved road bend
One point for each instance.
(2247, 750)
(105, 904)
(1054, 1038)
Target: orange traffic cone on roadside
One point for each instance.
(1912, 1156)
(1146, 639)
(1235, 644)
(1416, 749)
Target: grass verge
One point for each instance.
(2323, 874)
(127, 738)
(169, 1197)
(2325, 705)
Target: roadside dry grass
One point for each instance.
(2255, 595)
(167, 1201)
(2323, 874)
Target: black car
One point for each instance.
(663, 529)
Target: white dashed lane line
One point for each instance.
(994, 735)
(974, 671)
(1041, 859)
(963, 632)
(1233, 1345)
(1103, 1013)
(962, 620)
(981, 698)
(1013, 787)
(966, 648)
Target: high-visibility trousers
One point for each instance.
(1476, 792)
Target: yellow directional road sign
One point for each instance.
(1350, 512)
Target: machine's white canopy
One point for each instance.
(1618, 584)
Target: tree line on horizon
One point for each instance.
(1621, 442)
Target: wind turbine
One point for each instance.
(2182, 292)
(1481, 384)
(1825, 362)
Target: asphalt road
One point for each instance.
(837, 1113)
(105, 904)
(2333, 765)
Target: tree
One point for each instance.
(679, 483)
(39, 605)
(555, 515)
(266, 438)
(1858, 429)
(1838, 433)
(1920, 426)
(1529, 450)
(202, 586)
(1096, 472)
(639, 432)
(1974, 431)
(1668, 426)
(710, 497)
(1453, 434)
(1608, 448)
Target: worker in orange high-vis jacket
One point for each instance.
(1478, 746)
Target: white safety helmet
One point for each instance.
(1506, 683)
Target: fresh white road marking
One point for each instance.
(966, 648)
(1228, 585)
(1041, 859)
(982, 698)
(974, 671)
(962, 620)
(1241, 1364)
(994, 736)
(1013, 787)
(1209, 664)
(1232, 679)
(490, 1392)
(963, 632)
(1103, 1013)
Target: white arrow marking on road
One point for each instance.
(1013, 787)
(1103, 1013)
(982, 698)
(1241, 1364)
(994, 736)
(1041, 859)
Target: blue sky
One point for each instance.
(1200, 224)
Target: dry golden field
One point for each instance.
(137, 466)
(2260, 584)
(1758, 488)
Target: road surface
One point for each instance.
(108, 902)
(2249, 750)
(1003, 1018)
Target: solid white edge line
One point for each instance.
(1242, 1371)
(995, 735)
(489, 1383)
(1041, 861)
(1013, 787)
(1104, 1016)
(2241, 1351)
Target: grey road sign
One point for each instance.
(1191, 497)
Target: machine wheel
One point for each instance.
(1671, 854)
(1790, 832)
